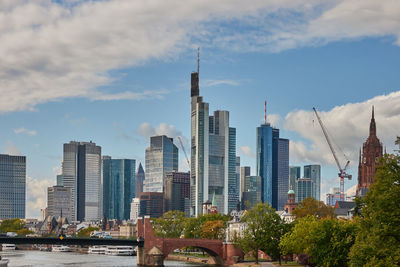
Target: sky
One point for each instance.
(117, 72)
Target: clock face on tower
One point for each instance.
(365, 160)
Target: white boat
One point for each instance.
(60, 248)
(97, 250)
(5, 247)
(120, 250)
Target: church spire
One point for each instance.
(372, 125)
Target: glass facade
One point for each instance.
(81, 171)
(161, 157)
(12, 186)
(282, 175)
(314, 173)
(118, 187)
(264, 161)
(251, 191)
(58, 201)
(294, 174)
(304, 188)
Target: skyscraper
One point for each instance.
(294, 174)
(118, 187)
(273, 165)
(12, 186)
(304, 189)
(371, 152)
(58, 201)
(81, 170)
(177, 191)
(244, 172)
(161, 157)
(314, 173)
(140, 176)
(151, 204)
(213, 156)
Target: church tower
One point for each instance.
(371, 152)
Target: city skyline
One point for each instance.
(343, 75)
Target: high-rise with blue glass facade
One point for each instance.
(118, 187)
(213, 156)
(314, 173)
(272, 165)
(12, 186)
(161, 158)
(294, 174)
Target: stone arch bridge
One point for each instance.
(156, 249)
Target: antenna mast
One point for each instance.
(265, 112)
(198, 60)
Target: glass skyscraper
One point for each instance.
(81, 171)
(12, 186)
(304, 188)
(314, 173)
(213, 156)
(294, 174)
(118, 187)
(58, 201)
(161, 157)
(272, 165)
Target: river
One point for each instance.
(42, 258)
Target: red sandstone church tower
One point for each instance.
(372, 151)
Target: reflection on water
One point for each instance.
(42, 258)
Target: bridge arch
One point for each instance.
(212, 251)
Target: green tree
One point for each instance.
(378, 242)
(264, 229)
(12, 225)
(171, 224)
(86, 231)
(326, 242)
(311, 206)
(194, 226)
(213, 230)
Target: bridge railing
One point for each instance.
(70, 241)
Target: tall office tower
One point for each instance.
(238, 183)
(58, 201)
(251, 195)
(135, 209)
(177, 191)
(314, 172)
(161, 157)
(59, 180)
(244, 172)
(140, 176)
(118, 187)
(273, 165)
(81, 170)
(12, 186)
(372, 151)
(282, 173)
(294, 174)
(213, 156)
(304, 189)
(151, 204)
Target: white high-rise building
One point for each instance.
(81, 171)
(213, 156)
(135, 209)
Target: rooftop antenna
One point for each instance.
(198, 60)
(265, 112)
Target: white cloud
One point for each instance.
(210, 83)
(51, 51)
(246, 150)
(351, 192)
(274, 119)
(26, 131)
(11, 149)
(348, 125)
(36, 196)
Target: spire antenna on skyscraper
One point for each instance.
(198, 60)
(265, 112)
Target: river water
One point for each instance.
(43, 258)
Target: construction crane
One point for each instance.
(184, 151)
(342, 171)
